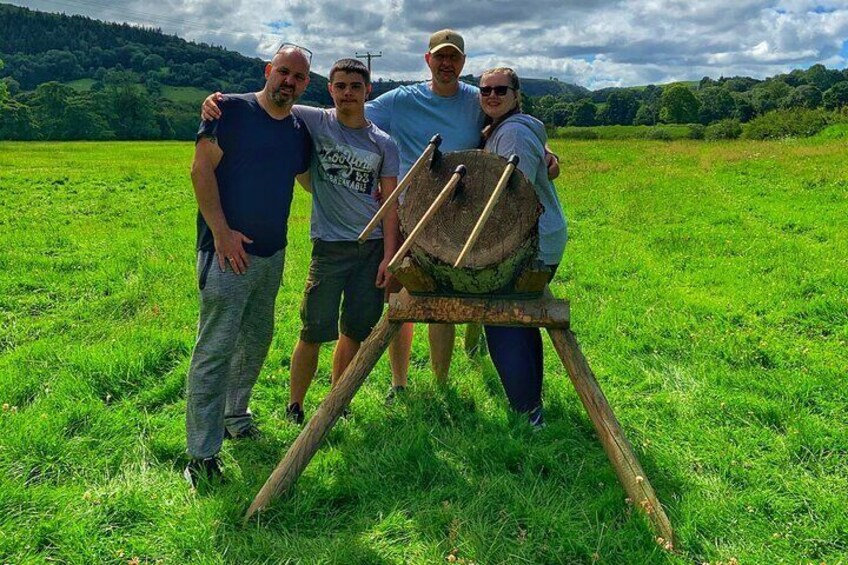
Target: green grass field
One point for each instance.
(184, 94)
(82, 84)
(620, 133)
(172, 93)
(709, 289)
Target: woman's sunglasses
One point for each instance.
(499, 90)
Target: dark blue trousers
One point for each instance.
(517, 355)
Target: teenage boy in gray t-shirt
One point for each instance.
(351, 159)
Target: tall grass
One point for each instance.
(709, 288)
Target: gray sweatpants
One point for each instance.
(234, 334)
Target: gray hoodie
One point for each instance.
(524, 135)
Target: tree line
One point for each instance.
(130, 68)
(707, 102)
(118, 107)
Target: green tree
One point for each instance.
(836, 96)
(822, 78)
(4, 90)
(152, 62)
(621, 108)
(582, 113)
(561, 114)
(17, 121)
(128, 107)
(13, 87)
(738, 84)
(716, 104)
(647, 114)
(49, 105)
(805, 96)
(769, 95)
(543, 106)
(678, 105)
(83, 121)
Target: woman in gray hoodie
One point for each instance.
(517, 352)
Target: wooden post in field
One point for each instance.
(618, 449)
(307, 443)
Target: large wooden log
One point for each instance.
(545, 311)
(307, 443)
(618, 449)
(429, 214)
(508, 241)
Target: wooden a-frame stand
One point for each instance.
(545, 312)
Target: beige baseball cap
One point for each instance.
(446, 38)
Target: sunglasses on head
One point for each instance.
(306, 52)
(499, 90)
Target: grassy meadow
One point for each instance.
(709, 289)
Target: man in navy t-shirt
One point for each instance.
(244, 192)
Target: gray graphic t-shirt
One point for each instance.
(346, 167)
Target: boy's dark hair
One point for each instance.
(351, 66)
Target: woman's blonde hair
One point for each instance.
(489, 124)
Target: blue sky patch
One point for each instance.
(279, 25)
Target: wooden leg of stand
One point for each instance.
(615, 444)
(473, 339)
(307, 443)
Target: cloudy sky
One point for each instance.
(594, 44)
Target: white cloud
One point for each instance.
(594, 43)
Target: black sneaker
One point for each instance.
(294, 413)
(200, 471)
(395, 393)
(536, 417)
(250, 432)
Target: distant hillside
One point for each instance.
(38, 47)
(71, 77)
(529, 86)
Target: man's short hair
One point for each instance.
(351, 66)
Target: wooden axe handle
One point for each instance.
(487, 211)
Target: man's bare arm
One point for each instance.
(305, 180)
(228, 242)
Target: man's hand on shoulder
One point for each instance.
(209, 110)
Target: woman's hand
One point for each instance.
(552, 161)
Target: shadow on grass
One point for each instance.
(437, 471)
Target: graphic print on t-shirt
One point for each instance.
(343, 165)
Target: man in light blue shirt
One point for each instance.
(412, 115)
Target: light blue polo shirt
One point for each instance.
(413, 114)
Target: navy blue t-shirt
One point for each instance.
(256, 173)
